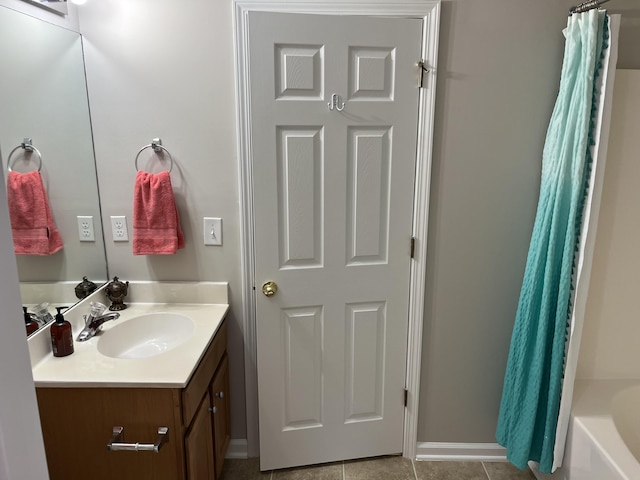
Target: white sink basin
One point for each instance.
(146, 335)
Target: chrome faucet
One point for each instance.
(93, 325)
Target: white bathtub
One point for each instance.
(603, 432)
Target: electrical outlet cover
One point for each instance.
(119, 228)
(86, 232)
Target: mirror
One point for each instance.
(43, 95)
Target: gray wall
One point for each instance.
(161, 68)
(629, 32)
(172, 76)
(500, 60)
(498, 77)
(609, 348)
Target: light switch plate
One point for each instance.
(212, 231)
(86, 232)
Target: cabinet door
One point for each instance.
(221, 419)
(199, 444)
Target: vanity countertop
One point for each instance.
(87, 367)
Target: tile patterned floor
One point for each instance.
(384, 468)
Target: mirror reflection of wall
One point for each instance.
(43, 96)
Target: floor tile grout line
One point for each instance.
(344, 477)
(486, 472)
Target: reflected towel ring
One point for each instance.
(27, 146)
(157, 147)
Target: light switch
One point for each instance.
(212, 231)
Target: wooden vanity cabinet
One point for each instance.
(77, 424)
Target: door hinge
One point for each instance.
(412, 248)
(422, 69)
(406, 397)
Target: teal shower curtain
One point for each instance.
(533, 379)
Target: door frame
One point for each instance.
(429, 12)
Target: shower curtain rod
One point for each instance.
(586, 6)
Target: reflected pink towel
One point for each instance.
(156, 225)
(34, 232)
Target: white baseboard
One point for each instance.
(485, 452)
(237, 448)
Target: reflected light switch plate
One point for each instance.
(212, 231)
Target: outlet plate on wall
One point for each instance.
(86, 232)
(119, 228)
(212, 231)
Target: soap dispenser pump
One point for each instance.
(61, 336)
(30, 324)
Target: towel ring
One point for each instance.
(28, 147)
(157, 147)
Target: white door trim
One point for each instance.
(429, 11)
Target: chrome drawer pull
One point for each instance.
(116, 444)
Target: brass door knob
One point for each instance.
(269, 289)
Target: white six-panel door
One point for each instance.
(333, 212)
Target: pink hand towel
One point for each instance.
(156, 225)
(34, 232)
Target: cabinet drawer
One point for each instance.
(196, 388)
(77, 423)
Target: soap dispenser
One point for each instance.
(30, 324)
(61, 336)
